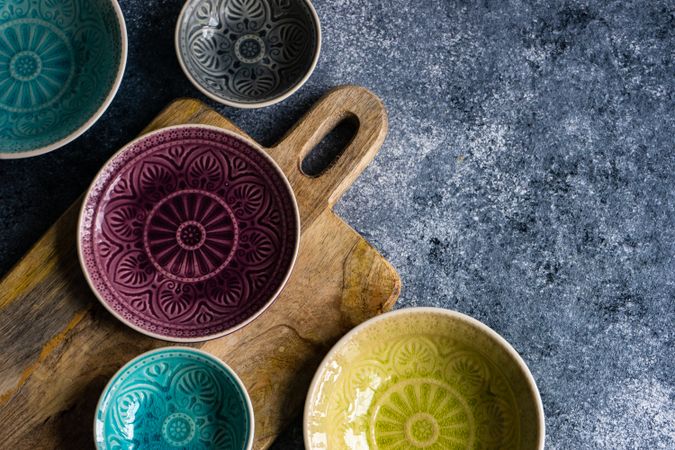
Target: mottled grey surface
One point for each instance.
(528, 180)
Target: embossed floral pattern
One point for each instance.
(59, 60)
(188, 233)
(412, 391)
(40, 62)
(191, 235)
(421, 413)
(247, 50)
(173, 398)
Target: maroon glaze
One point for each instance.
(188, 233)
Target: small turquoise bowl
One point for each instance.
(61, 64)
(175, 397)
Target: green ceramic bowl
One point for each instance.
(423, 378)
(61, 63)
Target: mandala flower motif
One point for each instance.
(60, 12)
(223, 438)
(134, 270)
(59, 63)
(495, 424)
(212, 52)
(414, 357)
(246, 50)
(191, 235)
(367, 375)
(238, 168)
(179, 406)
(287, 41)
(256, 248)
(405, 409)
(468, 372)
(174, 300)
(246, 15)
(254, 82)
(206, 172)
(126, 222)
(196, 389)
(128, 410)
(34, 124)
(39, 64)
(227, 290)
(155, 180)
(84, 45)
(247, 198)
(421, 413)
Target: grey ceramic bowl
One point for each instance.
(248, 53)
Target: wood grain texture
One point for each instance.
(60, 346)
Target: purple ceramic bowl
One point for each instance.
(189, 233)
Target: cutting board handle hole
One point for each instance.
(327, 152)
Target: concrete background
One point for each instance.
(528, 180)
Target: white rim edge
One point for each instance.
(99, 112)
(255, 105)
(228, 369)
(541, 421)
(229, 330)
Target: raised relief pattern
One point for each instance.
(174, 399)
(417, 392)
(248, 50)
(189, 233)
(58, 63)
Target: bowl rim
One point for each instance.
(250, 105)
(213, 358)
(480, 326)
(273, 297)
(102, 108)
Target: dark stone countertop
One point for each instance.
(528, 180)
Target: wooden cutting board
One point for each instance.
(59, 346)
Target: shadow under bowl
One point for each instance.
(248, 53)
(61, 64)
(174, 398)
(423, 378)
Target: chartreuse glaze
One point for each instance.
(174, 398)
(59, 63)
(421, 380)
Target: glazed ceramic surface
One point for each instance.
(174, 398)
(189, 233)
(248, 53)
(423, 379)
(61, 63)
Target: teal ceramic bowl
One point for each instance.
(61, 63)
(174, 397)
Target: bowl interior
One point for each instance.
(189, 233)
(59, 62)
(422, 379)
(174, 397)
(247, 51)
